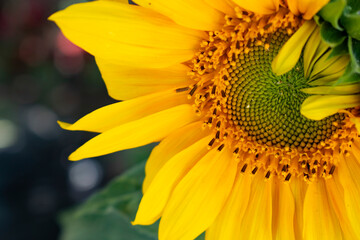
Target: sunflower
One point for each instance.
(257, 139)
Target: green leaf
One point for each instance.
(351, 18)
(330, 35)
(349, 76)
(109, 225)
(121, 187)
(339, 50)
(108, 214)
(332, 12)
(354, 51)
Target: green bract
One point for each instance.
(340, 28)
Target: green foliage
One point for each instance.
(340, 28)
(351, 18)
(108, 214)
(354, 51)
(330, 35)
(339, 50)
(332, 12)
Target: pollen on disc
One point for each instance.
(267, 107)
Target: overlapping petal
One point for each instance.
(259, 210)
(298, 189)
(192, 14)
(137, 133)
(227, 224)
(283, 212)
(116, 114)
(199, 197)
(158, 193)
(317, 107)
(171, 145)
(259, 6)
(127, 34)
(124, 82)
(290, 52)
(348, 176)
(306, 8)
(320, 221)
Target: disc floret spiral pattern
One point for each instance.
(267, 106)
(257, 113)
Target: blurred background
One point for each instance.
(45, 78)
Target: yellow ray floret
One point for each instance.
(259, 6)
(188, 13)
(126, 34)
(227, 224)
(320, 221)
(103, 119)
(290, 53)
(306, 8)
(124, 82)
(137, 133)
(199, 196)
(317, 107)
(158, 193)
(170, 146)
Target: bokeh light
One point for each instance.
(8, 134)
(45, 78)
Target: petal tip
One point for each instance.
(74, 156)
(276, 68)
(54, 17)
(64, 125)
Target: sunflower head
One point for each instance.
(256, 104)
(252, 78)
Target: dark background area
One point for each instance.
(45, 78)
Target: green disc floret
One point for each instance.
(267, 107)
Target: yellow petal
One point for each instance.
(259, 211)
(121, 1)
(113, 115)
(137, 133)
(259, 6)
(290, 52)
(325, 63)
(284, 212)
(292, 4)
(321, 49)
(320, 221)
(157, 195)
(335, 68)
(298, 189)
(199, 197)
(127, 34)
(356, 121)
(336, 197)
(125, 82)
(171, 145)
(227, 224)
(310, 49)
(349, 172)
(328, 76)
(318, 107)
(327, 80)
(192, 14)
(306, 8)
(223, 6)
(326, 90)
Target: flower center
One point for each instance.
(256, 113)
(267, 106)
